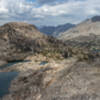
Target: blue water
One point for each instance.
(43, 62)
(7, 77)
(5, 81)
(13, 63)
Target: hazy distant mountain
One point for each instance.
(88, 28)
(56, 30)
(47, 30)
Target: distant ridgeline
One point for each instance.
(56, 30)
(95, 19)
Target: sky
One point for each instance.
(48, 12)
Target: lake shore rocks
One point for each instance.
(58, 80)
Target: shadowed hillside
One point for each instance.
(56, 30)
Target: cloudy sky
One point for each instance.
(48, 12)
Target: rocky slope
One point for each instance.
(16, 40)
(87, 28)
(72, 70)
(56, 30)
(19, 40)
(57, 80)
(85, 35)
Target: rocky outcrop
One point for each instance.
(19, 40)
(85, 28)
(16, 40)
(85, 36)
(64, 80)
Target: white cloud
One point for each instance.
(3, 9)
(67, 11)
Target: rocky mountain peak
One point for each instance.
(18, 39)
(19, 24)
(21, 28)
(85, 28)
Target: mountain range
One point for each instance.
(84, 35)
(56, 30)
(89, 27)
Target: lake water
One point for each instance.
(43, 62)
(5, 81)
(13, 63)
(7, 77)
